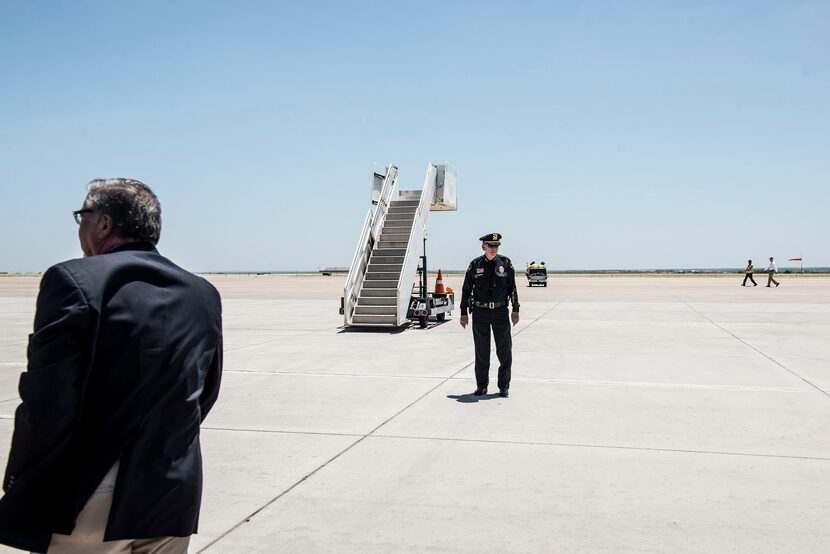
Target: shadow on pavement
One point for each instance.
(375, 330)
(391, 330)
(470, 398)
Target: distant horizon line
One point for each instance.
(814, 269)
(680, 270)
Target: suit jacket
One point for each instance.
(124, 363)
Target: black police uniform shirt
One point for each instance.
(487, 281)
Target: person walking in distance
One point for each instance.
(772, 269)
(489, 285)
(748, 274)
(124, 364)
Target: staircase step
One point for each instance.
(389, 236)
(394, 244)
(406, 211)
(377, 301)
(384, 320)
(375, 310)
(400, 216)
(409, 195)
(384, 268)
(380, 259)
(383, 276)
(397, 224)
(379, 284)
(404, 203)
(379, 292)
(401, 230)
(389, 251)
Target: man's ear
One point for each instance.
(105, 226)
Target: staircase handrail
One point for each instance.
(413, 248)
(369, 236)
(386, 191)
(357, 270)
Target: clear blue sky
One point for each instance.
(591, 134)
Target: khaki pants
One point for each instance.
(88, 536)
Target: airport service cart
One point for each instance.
(425, 304)
(537, 276)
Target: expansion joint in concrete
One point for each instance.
(608, 447)
(764, 354)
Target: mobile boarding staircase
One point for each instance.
(385, 264)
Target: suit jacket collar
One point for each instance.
(140, 246)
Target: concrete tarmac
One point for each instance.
(683, 414)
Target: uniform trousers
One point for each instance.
(499, 321)
(88, 535)
(748, 276)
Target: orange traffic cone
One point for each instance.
(439, 284)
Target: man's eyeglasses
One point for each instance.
(77, 214)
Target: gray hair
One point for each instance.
(134, 209)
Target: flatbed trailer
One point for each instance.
(422, 308)
(428, 304)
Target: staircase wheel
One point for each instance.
(423, 322)
(441, 316)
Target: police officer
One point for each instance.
(490, 283)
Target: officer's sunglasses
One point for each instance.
(77, 214)
(491, 245)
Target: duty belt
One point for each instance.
(489, 305)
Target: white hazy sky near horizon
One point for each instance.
(591, 135)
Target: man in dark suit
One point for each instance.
(124, 364)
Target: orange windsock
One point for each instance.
(439, 284)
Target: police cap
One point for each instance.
(491, 238)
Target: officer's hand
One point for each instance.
(514, 317)
(464, 320)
